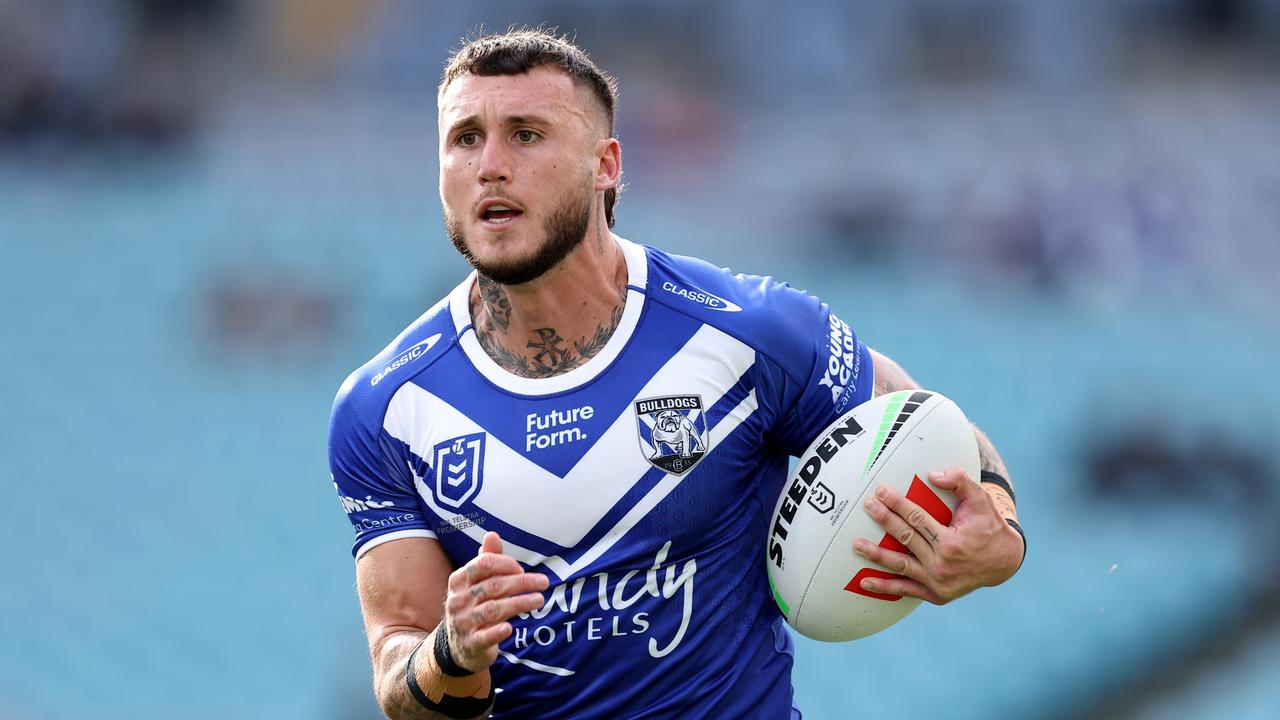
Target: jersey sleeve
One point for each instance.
(812, 370)
(370, 471)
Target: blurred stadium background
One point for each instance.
(1065, 215)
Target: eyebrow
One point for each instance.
(472, 120)
(527, 120)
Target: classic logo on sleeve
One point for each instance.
(673, 431)
(459, 466)
(697, 295)
(404, 358)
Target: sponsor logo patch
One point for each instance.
(352, 505)
(672, 431)
(557, 427)
(459, 466)
(624, 604)
(406, 357)
(369, 503)
(844, 362)
(702, 297)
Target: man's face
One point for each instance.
(517, 161)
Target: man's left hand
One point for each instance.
(979, 549)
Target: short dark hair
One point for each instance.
(515, 52)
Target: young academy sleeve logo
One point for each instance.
(459, 465)
(673, 431)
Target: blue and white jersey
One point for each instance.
(640, 483)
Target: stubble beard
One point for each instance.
(562, 232)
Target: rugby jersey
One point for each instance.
(640, 483)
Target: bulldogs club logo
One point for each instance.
(673, 431)
(459, 465)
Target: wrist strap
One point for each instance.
(444, 657)
(998, 480)
(414, 688)
(1014, 524)
(450, 706)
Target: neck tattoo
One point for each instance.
(545, 353)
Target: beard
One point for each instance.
(562, 232)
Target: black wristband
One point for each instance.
(997, 479)
(412, 677)
(444, 658)
(1014, 524)
(449, 706)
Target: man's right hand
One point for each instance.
(483, 595)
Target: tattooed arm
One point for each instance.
(890, 377)
(409, 591)
(978, 549)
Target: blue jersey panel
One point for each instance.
(369, 468)
(812, 369)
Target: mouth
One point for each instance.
(499, 214)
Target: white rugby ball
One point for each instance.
(895, 440)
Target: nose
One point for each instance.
(495, 162)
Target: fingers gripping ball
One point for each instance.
(894, 440)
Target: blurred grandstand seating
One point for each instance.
(1069, 267)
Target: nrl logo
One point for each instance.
(459, 465)
(821, 498)
(673, 431)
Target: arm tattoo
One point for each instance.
(890, 377)
(992, 462)
(988, 457)
(1003, 504)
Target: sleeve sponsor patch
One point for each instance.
(843, 361)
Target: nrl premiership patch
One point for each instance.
(459, 464)
(673, 431)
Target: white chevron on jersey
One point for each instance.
(664, 487)
(564, 510)
(550, 669)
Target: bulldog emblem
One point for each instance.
(673, 431)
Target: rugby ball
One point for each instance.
(895, 440)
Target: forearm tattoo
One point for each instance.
(991, 461)
(889, 376)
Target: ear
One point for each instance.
(608, 163)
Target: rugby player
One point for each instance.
(560, 476)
